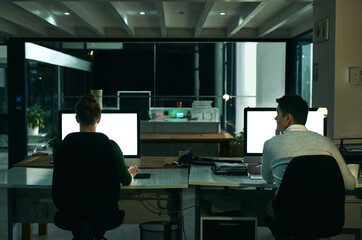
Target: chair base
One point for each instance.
(85, 232)
(274, 229)
(279, 237)
(303, 238)
(84, 229)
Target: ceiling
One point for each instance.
(162, 19)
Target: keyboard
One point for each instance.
(255, 177)
(254, 172)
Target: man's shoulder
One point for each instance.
(274, 139)
(272, 142)
(315, 135)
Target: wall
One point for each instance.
(334, 56)
(348, 97)
(323, 55)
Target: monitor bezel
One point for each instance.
(109, 111)
(268, 109)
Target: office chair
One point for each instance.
(86, 186)
(310, 201)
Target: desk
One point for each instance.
(36, 162)
(209, 187)
(29, 191)
(222, 138)
(204, 176)
(143, 162)
(187, 137)
(32, 187)
(22, 177)
(255, 194)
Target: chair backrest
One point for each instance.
(310, 200)
(85, 179)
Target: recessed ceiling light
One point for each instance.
(142, 13)
(222, 14)
(66, 13)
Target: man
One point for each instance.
(293, 139)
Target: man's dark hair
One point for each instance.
(88, 110)
(294, 105)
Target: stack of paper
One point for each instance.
(202, 104)
(230, 168)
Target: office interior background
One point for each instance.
(184, 51)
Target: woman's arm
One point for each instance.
(125, 178)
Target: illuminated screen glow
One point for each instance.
(123, 128)
(260, 125)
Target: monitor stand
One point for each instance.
(253, 159)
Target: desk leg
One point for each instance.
(43, 228)
(198, 207)
(224, 149)
(189, 204)
(27, 231)
(11, 213)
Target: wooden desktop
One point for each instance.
(221, 138)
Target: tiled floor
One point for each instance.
(127, 231)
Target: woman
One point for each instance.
(88, 171)
(88, 115)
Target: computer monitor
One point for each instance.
(121, 127)
(135, 100)
(260, 125)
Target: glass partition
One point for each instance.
(49, 75)
(3, 109)
(202, 85)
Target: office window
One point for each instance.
(3, 80)
(260, 76)
(305, 70)
(3, 100)
(177, 73)
(42, 80)
(301, 66)
(3, 90)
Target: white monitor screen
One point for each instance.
(121, 127)
(260, 125)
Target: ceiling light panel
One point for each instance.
(182, 14)
(52, 12)
(231, 10)
(133, 9)
(94, 13)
